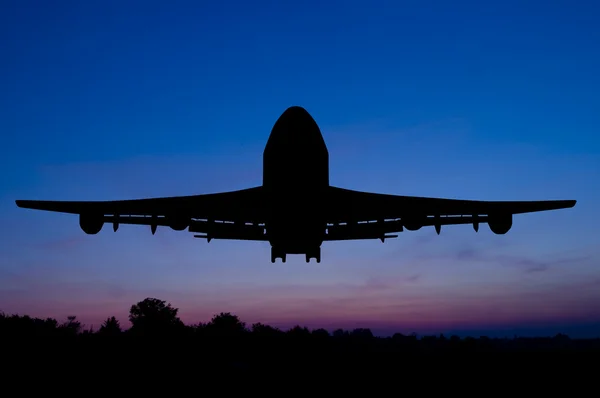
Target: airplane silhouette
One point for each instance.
(295, 209)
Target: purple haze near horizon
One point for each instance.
(121, 100)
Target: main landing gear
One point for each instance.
(277, 253)
(314, 253)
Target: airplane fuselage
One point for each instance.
(295, 177)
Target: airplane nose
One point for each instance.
(295, 110)
(295, 129)
(295, 120)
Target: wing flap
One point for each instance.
(380, 230)
(209, 229)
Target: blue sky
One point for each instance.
(474, 100)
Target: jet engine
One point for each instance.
(500, 223)
(91, 224)
(178, 222)
(412, 223)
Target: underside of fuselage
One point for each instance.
(295, 178)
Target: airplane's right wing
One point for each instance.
(366, 215)
(225, 215)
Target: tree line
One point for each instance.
(154, 318)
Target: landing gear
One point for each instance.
(314, 253)
(276, 253)
(281, 252)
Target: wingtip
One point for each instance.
(24, 204)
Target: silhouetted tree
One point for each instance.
(227, 325)
(152, 315)
(340, 333)
(299, 331)
(260, 329)
(26, 325)
(320, 333)
(362, 333)
(197, 329)
(72, 325)
(110, 326)
(88, 332)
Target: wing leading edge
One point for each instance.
(365, 215)
(224, 215)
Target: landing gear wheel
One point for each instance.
(315, 253)
(275, 253)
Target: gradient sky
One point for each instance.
(494, 100)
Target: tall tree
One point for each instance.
(110, 326)
(152, 315)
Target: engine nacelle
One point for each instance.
(178, 222)
(91, 224)
(500, 223)
(412, 223)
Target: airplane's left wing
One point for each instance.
(365, 215)
(225, 215)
